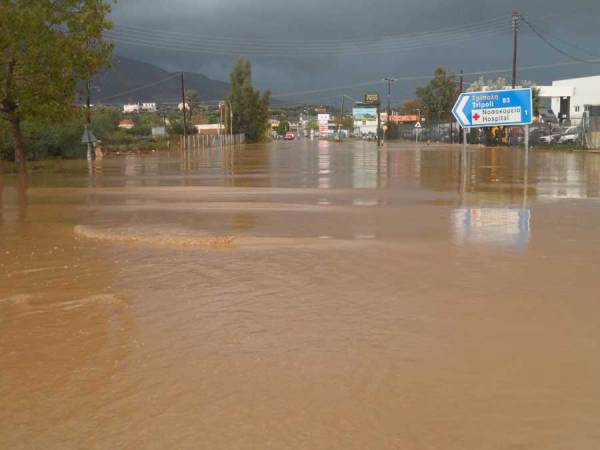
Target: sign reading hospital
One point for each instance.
(494, 108)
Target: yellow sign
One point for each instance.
(372, 98)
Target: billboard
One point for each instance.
(365, 114)
(323, 123)
(365, 119)
(323, 118)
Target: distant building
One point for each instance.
(149, 107)
(132, 108)
(126, 124)
(180, 106)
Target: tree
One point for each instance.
(347, 122)
(46, 48)
(439, 96)
(250, 108)
(192, 98)
(283, 128)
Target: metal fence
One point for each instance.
(198, 141)
(427, 132)
(576, 133)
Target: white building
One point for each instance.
(575, 94)
(149, 107)
(133, 108)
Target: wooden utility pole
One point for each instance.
(341, 122)
(88, 118)
(378, 123)
(389, 102)
(184, 112)
(460, 91)
(516, 17)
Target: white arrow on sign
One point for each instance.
(460, 110)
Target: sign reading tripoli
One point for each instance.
(494, 108)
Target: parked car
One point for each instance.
(290, 136)
(549, 139)
(570, 136)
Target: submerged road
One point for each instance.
(304, 295)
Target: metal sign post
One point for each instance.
(374, 100)
(418, 128)
(89, 140)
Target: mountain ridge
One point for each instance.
(132, 81)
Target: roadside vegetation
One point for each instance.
(46, 50)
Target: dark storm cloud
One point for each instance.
(313, 20)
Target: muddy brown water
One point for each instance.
(304, 295)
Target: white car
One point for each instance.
(570, 136)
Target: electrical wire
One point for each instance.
(292, 54)
(269, 43)
(554, 47)
(428, 77)
(131, 91)
(411, 42)
(567, 43)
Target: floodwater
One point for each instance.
(306, 295)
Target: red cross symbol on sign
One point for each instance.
(476, 116)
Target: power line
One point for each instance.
(428, 77)
(232, 46)
(550, 44)
(569, 44)
(131, 91)
(282, 43)
(382, 47)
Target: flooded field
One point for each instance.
(306, 295)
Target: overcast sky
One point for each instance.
(400, 38)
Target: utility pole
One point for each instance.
(389, 101)
(516, 17)
(88, 118)
(378, 123)
(230, 119)
(184, 112)
(341, 122)
(460, 91)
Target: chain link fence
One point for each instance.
(575, 133)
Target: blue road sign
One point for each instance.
(494, 108)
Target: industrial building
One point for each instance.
(570, 97)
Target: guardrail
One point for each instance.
(199, 141)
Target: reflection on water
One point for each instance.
(492, 225)
(359, 289)
(324, 165)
